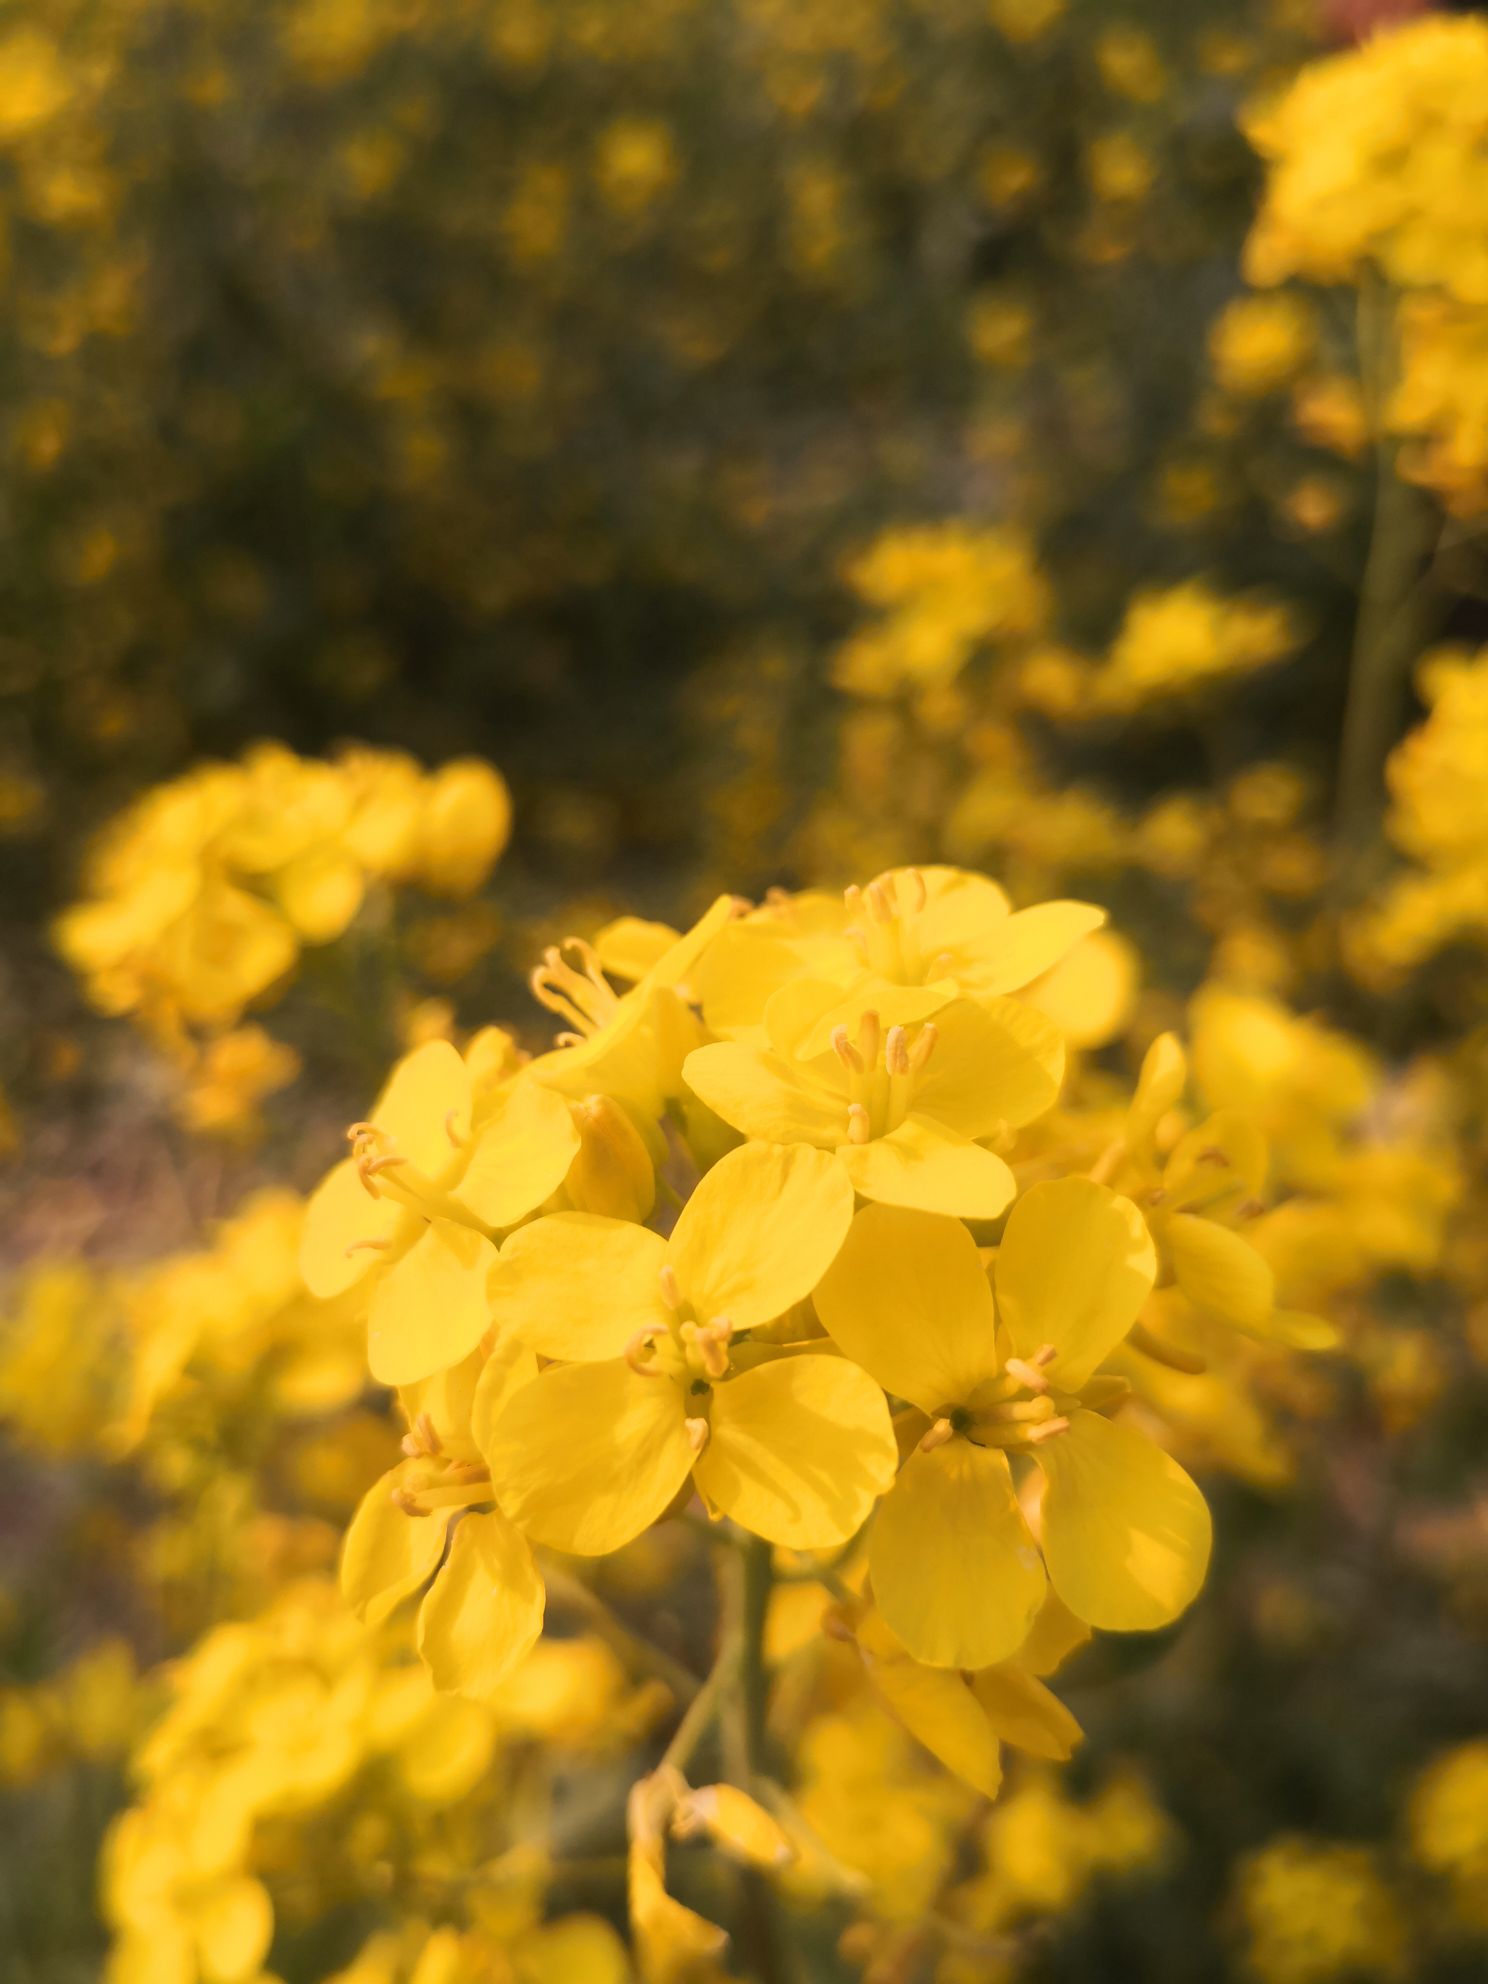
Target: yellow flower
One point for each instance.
(484, 1609)
(453, 1152)
(1125, 1534)
(630, 1046)
(902, 1109)
(795, 1448)
(964, 1719)
(1258, 344)
(909, 943)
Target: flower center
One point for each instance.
(882, 1069)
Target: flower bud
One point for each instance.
(611, 1172)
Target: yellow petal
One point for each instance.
(340, 1213)
(630, 947)
(993, 1064)
(234, 1924)
(1091, 993)
(1025, 946)
(1075, 1266)
(955, 1571)
(161, 1954)
(736, 1823)
(673, 1943)
(961, 909)
(430, 1309)
(320, 893)
(760, 1231)
(1219, 1272)
(907, 1299)
(1162, 1081)
(1053, 1637)
(387, 1555)
(1025, 1713)
(579, 1286)
(426, 1101)
(799, 1451)
(576, 1949)
(766, 1097)
(935, 1705)
(522, 1153)
(484, 1611)
(510, 1366)
(1299, 1331)
(589, 1455)
(1126, 1533)
(931, 1169)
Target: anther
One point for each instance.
(713, 1342)
(409, 1504)
(896, 1051)
(881, 899)
(1250, 1209)
(924, 1047)
(697, 1434)
(1047, 1430)
(450, 1131)
(637, 1353)
(671, 1294)
(938, 1435)
(1028, 1375)
(367, 1246)
(859, 1124)
(428, 1432)
(917, 884)
(846, 1053)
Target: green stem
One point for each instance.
(705, 1704)
(1392, 620)
(760, 1939)
(566, 1590)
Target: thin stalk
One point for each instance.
(1393, 618)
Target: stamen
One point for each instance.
(356, 1131)
(896, 1051)
(450, 1131)
(917, 885)
(637, 1352)
(409, 1504)
(671, 1294)
(1049, 1430)
(924, 1047)
(697, 1434)
(713, 1341)
(364, 1246)
(568, 1038)
(881, 899)
(1028, 1375)
(859, 1124)
(938, 1435)
(846, 1053)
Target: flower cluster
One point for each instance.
(202, 896)
(792, 1229)
(1439, 820)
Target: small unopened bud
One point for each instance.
(612, 1171)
